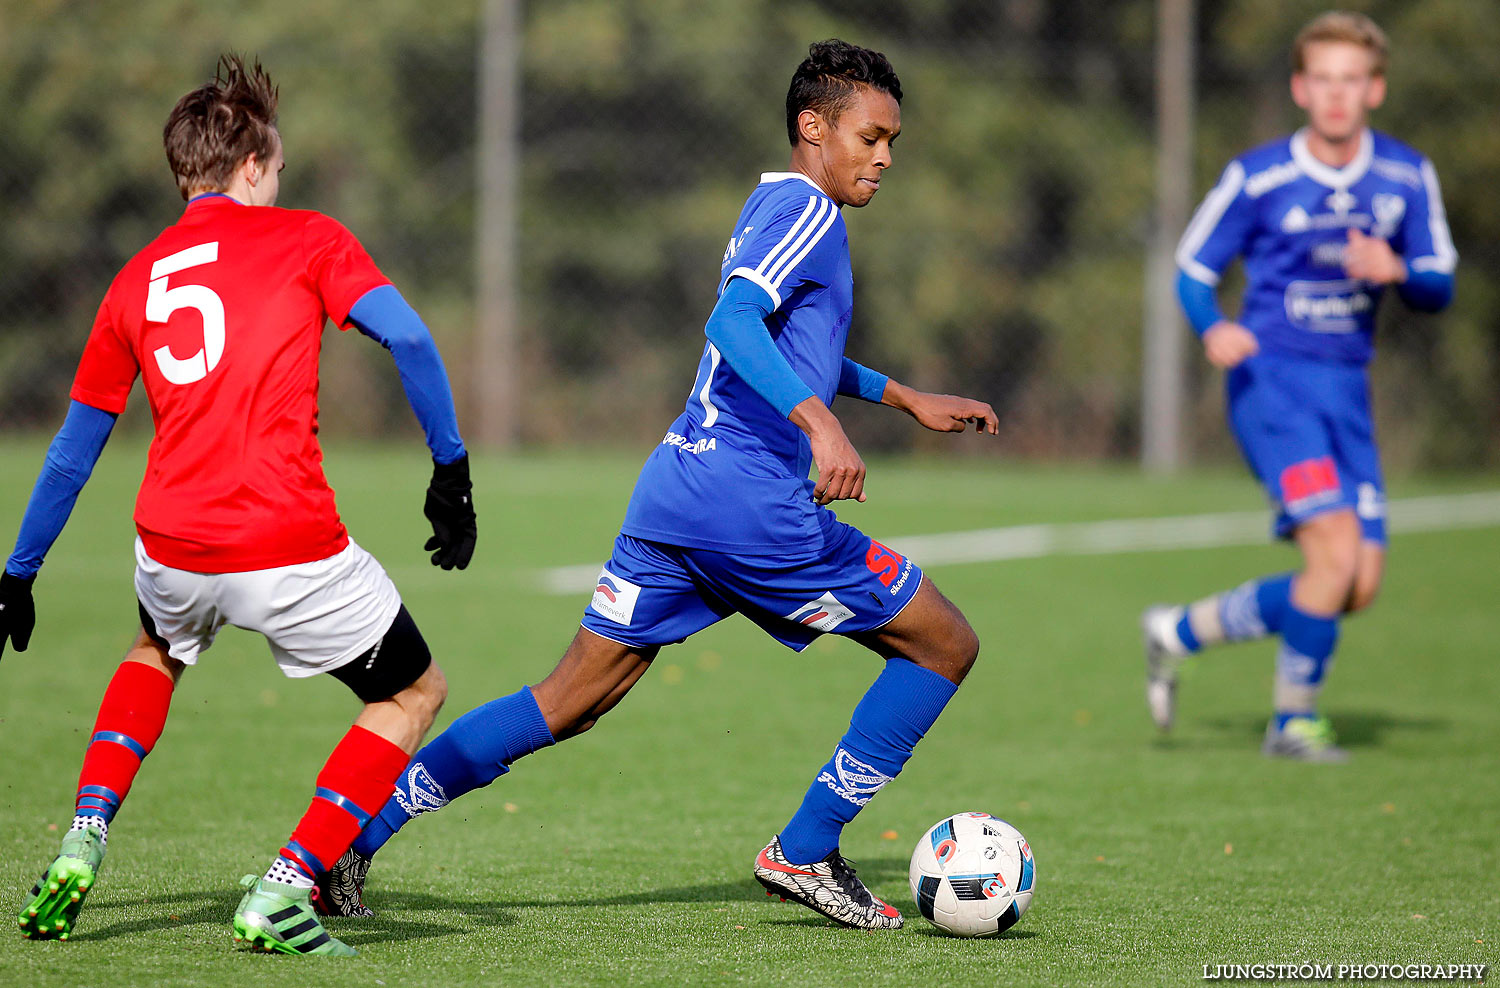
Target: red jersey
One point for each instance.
(223, 315)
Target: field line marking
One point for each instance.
(1437, 513)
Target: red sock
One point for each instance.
(131, 716)
(355, 782)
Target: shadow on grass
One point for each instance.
(393, 908)
(1355, 728)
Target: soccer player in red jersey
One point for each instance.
(222, 316)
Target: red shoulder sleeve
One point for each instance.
(338, 265)
(108, 367)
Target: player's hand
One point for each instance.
(1228, 344)
(450, 508)
(1372, 259)
(17, 611)
(841, 473)
(943, 413)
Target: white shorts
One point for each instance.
(315, 616)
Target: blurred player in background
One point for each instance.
(1325, 220)
(724, 518)
(222, 316)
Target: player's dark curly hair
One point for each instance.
(830, 76)
(214, 128)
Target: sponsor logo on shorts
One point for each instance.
(421, 794)
(1309, 484)
(615, 598)
(852, 779)
(823, 614)
(890, 567)
(1371, 503)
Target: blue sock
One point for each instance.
(1252, 610)
(1185, 633)
(474, 751)
(1307, 644)
(899, 708)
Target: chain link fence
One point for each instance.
(1004, 257)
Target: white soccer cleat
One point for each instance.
(828, 886)
(1164, 654)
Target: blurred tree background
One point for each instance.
(1004, 258)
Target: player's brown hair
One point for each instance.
(214, 128)
(1341, 25)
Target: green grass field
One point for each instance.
(623, 857)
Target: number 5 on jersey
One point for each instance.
(162, 301)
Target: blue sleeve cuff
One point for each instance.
(384, 316)
(1427, 291)
(70, 460)
(1200, 302)
(858, 381)
(737, 329)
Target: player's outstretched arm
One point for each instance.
(942, 413)
(70, 461)
(384, 316)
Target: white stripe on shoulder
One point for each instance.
(825, 221)
(1206, 220)
(755, 279)
(769, 259)
(1445, 255)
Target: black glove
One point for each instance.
(450, 508)
(17, 611)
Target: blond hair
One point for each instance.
(1347, 26)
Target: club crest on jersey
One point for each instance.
(823, 614)
(615, 597)
(1388, 209)
(852, 779)
(421, 794)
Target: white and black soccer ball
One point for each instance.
(972, 875)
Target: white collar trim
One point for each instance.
(783, 176)
(1336, 178)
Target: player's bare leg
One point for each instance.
(130, 720)
(1368, 574)
(593, 676)
(929, 648)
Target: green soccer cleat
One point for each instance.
(1304, 739)
(279, 918)
(58, 895)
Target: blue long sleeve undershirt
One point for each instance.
(737, 329)
(1200, 302)
(859, 381)
(385, 317)
(70, 460)
(1426, 291)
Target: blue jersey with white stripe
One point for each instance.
(731, 473)
(1288, 215)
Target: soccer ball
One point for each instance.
(972, 875)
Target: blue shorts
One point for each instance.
(1306, 430)
(652, 594)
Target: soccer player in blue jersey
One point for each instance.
(724, 518)
(1325, 220)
